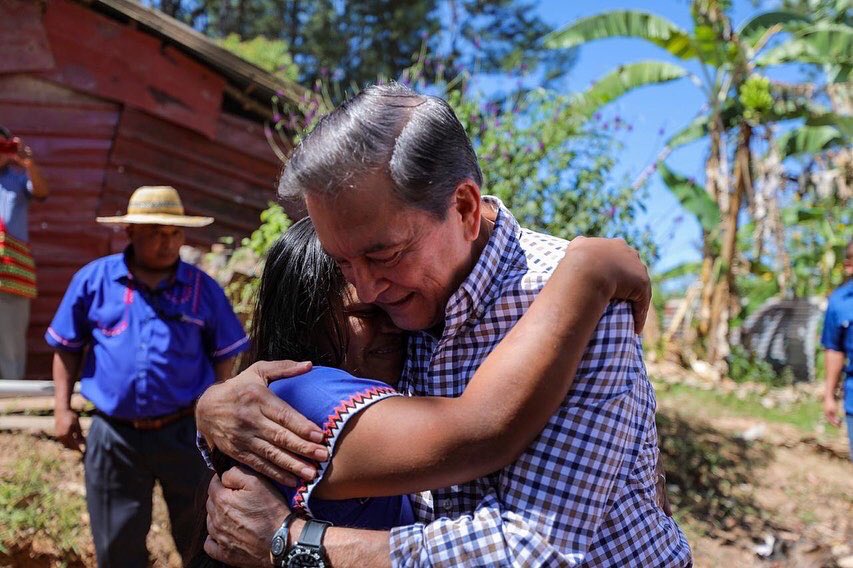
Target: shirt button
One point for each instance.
(447, 505)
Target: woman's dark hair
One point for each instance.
(298, 316)
(5, 133)
(299, 313)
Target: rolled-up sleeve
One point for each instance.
(584, 492)
(69, 330)
(225, 336)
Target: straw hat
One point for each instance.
(156, 205)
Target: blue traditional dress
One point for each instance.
(330, 398)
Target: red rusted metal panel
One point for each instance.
(95, 54)
(71, 136)
(23, 42)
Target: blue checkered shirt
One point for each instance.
(584, 492)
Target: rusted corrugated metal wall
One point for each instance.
(106, 111)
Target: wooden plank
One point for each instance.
(172, 140)
(98, 55)
(33, 89)
(247, 137)
(53, 121)
(23, 41)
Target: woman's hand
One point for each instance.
(618, 270)
(243, 419)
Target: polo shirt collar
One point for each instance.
(480, 287)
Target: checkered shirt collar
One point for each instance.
(478, 289)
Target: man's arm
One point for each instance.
(549, 507)
(66, 365)
(834, 363)
(25, 159)
(243, 495)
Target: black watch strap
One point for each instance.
(312, 533)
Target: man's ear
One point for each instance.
(467, 205)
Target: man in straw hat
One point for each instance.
(147, 333)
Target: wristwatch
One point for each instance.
(278, 545)
(308, 552)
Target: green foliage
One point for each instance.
(755, 97)
(274, 221)
(746, 368)
(621, 81)
(625, 23)
(552, 171)
(810, 140)
(692, 197)
(358, 41)
(30, 503)
(271, 55)
(818, 232)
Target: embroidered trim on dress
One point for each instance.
(332, 429)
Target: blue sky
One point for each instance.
(650, 110)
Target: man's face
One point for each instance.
(400, 258)
(848, 261)
(156, 247)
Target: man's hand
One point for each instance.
(620, 270)
(242, 418)
(243, 513)
(68, 430)
(24, 157)
(830, 410)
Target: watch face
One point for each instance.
(277, 546)
(302, 557)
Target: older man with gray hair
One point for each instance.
(392, 184)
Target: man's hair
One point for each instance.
(5, 132)
(849, 250)
(415, 140)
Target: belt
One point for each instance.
(155, 423)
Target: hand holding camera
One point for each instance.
(19, 152)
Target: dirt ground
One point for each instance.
(796, 503)
(794, 497)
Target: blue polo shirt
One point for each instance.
(150, 352)
(838, 334)
(16, 190)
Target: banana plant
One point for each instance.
(737, 100)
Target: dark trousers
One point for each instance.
(121, 466)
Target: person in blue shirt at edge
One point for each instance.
(306, 311)
(837, 340)
(20, 182)
(146, 333)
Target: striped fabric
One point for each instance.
(17, 269)
(583, 494)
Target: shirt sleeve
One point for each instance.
(832, 335)
(329, 398)
(224, 334)
(547, 508)
(70, 329)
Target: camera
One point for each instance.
(8, 146)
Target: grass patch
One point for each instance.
(32, 505)
(806, 416)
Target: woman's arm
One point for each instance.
(403, 445)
